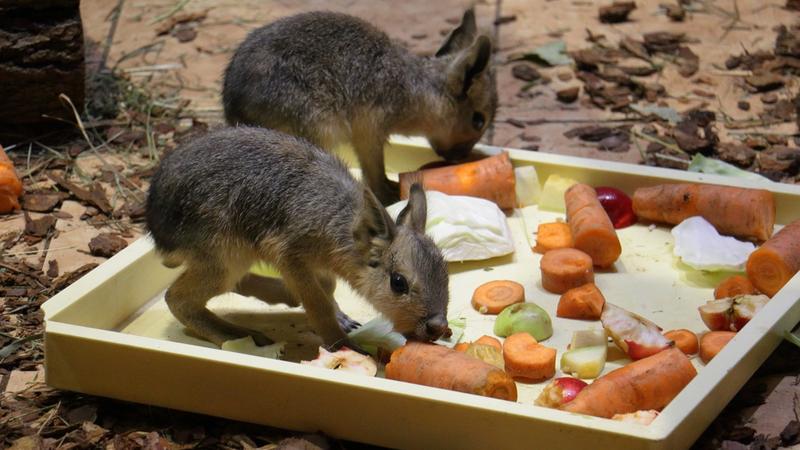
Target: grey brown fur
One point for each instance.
(334, 78)
(238, 195)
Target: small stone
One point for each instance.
(743, 105)
(733, 62)
(185, 33)
(769, 98)
(564, 76)
(106, 245)
(568, 95)
(525, 72)
(616, 12)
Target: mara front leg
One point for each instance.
(368, 145)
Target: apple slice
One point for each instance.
(745, 307)
(731, 313)
(584, 362)
(560, 391)
(635, 335)
(642, 417)
(588, 338)
(716, 314)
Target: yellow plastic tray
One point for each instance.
(110, 334)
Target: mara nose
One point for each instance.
(435, 327)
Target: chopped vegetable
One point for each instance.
(649, 383)
(684, 339)
(618, 206)
(528, 188)
(564, 269)
(584, 362)
(559, 391)
(702, 164)
(456, 327)
(773, 264)
(489, 340)
(583, 302)
(345, 360)
(528, 360)
(437, 366)
(635, 335)
(712, 343)
(742, 212)
(464, 228)
(552, 198)
(486, 353)
(524, 317)
(592, 230)
(248, 346)
(588, 338)
(490, 178)
(10, 184)
(641, 417)
(376, 334)
(733, 286)
(700, 246)
(552, 235)
(494, 296)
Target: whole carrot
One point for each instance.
(649, 383)
(438, 366)
(747, 213)
(770, 266)
(10, 185)
(490, 178)
(592, 230)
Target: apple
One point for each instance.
(560, 391)
(642, 417)
(731, 313)
(618, 206)
(584, 362)
(528, 317)
(635, 335)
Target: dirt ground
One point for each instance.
(172, 53)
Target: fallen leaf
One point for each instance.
(39, 227)
(552, 53)
(106, 245)
(40, 202)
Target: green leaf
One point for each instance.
(553, 54)
(663, 112)
(709, 165)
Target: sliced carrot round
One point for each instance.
(684, 339)
(712, 343)
(495, 296)
(564, 269)
(733, 286)
(527, 360)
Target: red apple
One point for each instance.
(716, 314)
(618, 206)
(733, 313)
(560, 391)
(635, 335)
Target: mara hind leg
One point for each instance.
(187, 298)
(274, 290)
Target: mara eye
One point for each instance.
(398, 283)
(478, 121)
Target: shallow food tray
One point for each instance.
(111, 334)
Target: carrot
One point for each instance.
(10, 185)
(583, 302)
(564, 269)
(648, 383)
(747, 213)
(495, 296)
(592, 230)
(684, 339)
(528, 360)
(712, 343)
(438, 366)
(770, 266)
(552, 235)
(489, 340)
(733, 286)
(490, 178)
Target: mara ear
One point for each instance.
(415, 214)
(375, 230)
(461, 36)
(469, 65)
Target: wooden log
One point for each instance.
(41, 56)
